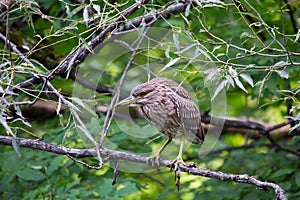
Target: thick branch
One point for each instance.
(117, 155)
(91, 85)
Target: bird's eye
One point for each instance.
(142, 94)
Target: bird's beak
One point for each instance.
(127, 101)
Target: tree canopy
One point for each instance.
(65, 64)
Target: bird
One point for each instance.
(167, 106)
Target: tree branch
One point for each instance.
(243, 10)
(90, 85)
(117, 155)
(245, 146)
(293, 20)
(243, 178)
(78, 56)
(251, 125)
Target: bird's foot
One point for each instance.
(175, 164)
(153, 160)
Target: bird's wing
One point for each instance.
(189, 116)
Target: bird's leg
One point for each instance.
(175, 163)
(154, 159)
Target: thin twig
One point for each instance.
(28, 62)
(16, 50)
(115, 99)
(81, 53)
(77, 118)
(116, 173)
(243, 11)
(83, 163)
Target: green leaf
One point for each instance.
(73, 183)
(297, 178)
(30, 175)
(286, 185)
(106, 188)
(55, 163)
(113, 198)
(9, 164)
(282, 172)
(129, 188)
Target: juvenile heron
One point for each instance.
(168, 107)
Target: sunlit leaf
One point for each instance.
(212, 73)
(1, 89)
(97, 8)
(230, 80)
(294, 127)
(6, 126)
(219, 88)
(239, 84)
(282, 74)
(16, 146)
(280, 64)
(246, 35)
(58, 107)
(167, 52)
(247, 78)
(216, 48)
(176, 41)
(232, 72)
(187, 10)
(172, 62)
(185, 48)
(297, 36)
(86, 15)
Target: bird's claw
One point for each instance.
(154, 160)
(175, 163)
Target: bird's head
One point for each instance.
(139, 96)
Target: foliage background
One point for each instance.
(256, 50)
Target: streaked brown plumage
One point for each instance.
(168, 107)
